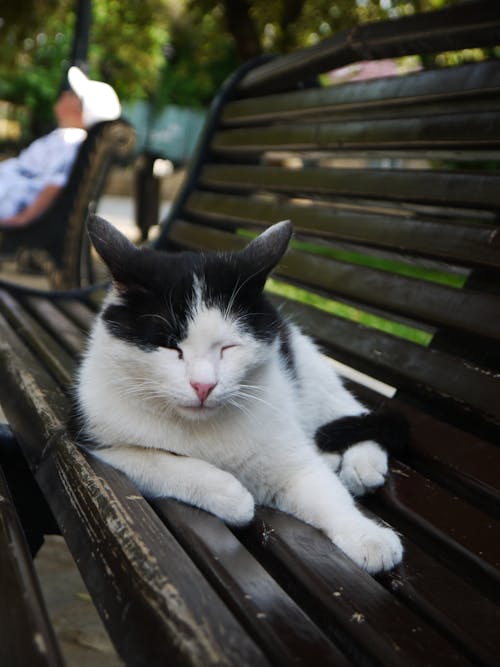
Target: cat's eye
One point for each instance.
(226, 347)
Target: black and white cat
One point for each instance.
(198, 389)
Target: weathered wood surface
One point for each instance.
(26, 635)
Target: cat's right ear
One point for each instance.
(113, 247)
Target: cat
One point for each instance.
(197, 388)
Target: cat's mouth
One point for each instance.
(197, 411)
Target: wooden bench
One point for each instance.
(395, 207)
(56, 241)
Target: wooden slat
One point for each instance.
(286, 634)
(449, 603)
(366, 619)
(58, 324)
(463, 26)
(467, 244)
(36, 337)
(152, 598)
(445, 525)
(480, 190)
(81, 314)
(473, 477)
(441, 131)
(419, 300)
(428, 91)
(26, 635)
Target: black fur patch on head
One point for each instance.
(157, 292)
(387, 427)
(158, 289)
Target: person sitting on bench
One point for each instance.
(30, 182)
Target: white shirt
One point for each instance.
(47, 161)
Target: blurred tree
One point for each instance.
(35, 45)
(211, 37)
(206, 39)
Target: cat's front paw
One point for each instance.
(227, 498)
(363, 468)
(372, 547)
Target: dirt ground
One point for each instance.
(82, 637)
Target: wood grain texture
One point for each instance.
(26, 635)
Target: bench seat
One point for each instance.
(170, 575)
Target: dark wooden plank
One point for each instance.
(57, 323)
(53, 355)
(443, 524)
(152, 598)
(404, 185)
(365, 619)
(447, 87)
(286, 634)
(470, 467)
(26, 634)
(469, 244)
(81, 314)
(422, 132)
(452, 28)
(451, 605)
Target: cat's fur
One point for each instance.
(198, 389)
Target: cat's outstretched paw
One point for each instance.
(227, 498)
(372, 547)
(363, 468)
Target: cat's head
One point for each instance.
(193, 329)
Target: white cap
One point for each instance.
(99, 100)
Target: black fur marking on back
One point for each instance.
(387, 427)
(158, 290)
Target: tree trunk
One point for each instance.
(242, 27)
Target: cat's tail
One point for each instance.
(384, 425)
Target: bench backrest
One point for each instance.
(393, 189)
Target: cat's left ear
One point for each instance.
(264, 252)
(114, 248)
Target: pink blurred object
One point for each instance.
(364, 70)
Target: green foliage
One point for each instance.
(208, 38)
(35, 46)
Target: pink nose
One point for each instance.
(202, 389)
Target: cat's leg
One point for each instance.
(363, 467)
(311, 492)
(160, 474)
